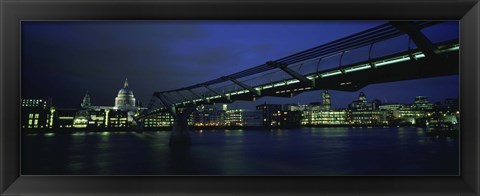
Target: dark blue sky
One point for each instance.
(65, 59)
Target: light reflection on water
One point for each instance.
(301, 151)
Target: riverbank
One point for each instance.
(430, 132)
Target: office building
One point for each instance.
(208, 116)
(271, 114)
(35, 113)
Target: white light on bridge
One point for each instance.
(417, 56)
(268, 86)
(293, 81)
(455, 47)
(331, 73)
(358, 68)
(391, 61)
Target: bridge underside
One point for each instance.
(354, 81)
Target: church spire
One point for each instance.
(87, 96)
(86, 101)
(126, 83)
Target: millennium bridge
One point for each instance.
(394, 51)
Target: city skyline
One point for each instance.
(37, 114)
(97, 56)
(253, 104)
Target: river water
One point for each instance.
(299, 151)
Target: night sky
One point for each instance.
(64, 59)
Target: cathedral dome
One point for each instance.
(125, 90)
(125, 99)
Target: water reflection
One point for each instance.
(330, 132)
(279, 132)
(49, 134)
(302, 151)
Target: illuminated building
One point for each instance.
(35, 103)
(294, 107)
(391, 106)
(90, 116)
(81, 119)
(63, 118)
(363, 112)
(391, 110)
(399, 114)
(320, 117)
(234, 117)
(125, 100)
(446, 115)
(117, 118)
(325, 100)
(35, 113)
(271, 114)
(318, 114)
(162, 119)
(315, 106)
(97, 118)
(290, 118)
(120, 115)
(208, 116)
(414, 114)
(362, 104)
(241, 117)
(409, 111)
(368, 117)
(421, 103)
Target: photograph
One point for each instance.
(240, 97)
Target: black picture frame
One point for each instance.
(13, 11)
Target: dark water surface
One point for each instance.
(301, 151)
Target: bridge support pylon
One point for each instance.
(180, 134)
